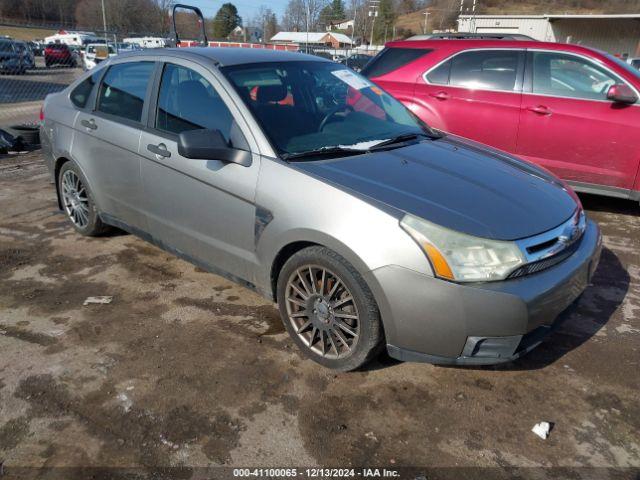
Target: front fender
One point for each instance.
(312, 210)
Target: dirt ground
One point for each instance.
(185, 369)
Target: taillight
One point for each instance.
(42, 113)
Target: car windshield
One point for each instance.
(6, 47)
(312, 106)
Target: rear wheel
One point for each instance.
(77, 201)
(329, 310)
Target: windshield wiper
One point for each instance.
(399, 139)
(322, 152)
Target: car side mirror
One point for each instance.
(203, 144)
(622, 93)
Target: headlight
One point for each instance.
(460, 257)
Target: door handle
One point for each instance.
(90, 124)
(440, 95)
(160, 150)
(540, 110)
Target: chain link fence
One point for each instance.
(26, 79)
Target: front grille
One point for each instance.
(550, 248)
(540, 265)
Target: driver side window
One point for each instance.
(187, 101)
(564, 75)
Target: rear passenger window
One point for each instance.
(440, 75)
(187, 101)
(391, 59)
(80, 95)
(486, 70)
(123, 89)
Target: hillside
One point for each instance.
(20, 33)
(442, 13)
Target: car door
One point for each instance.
(475, 94)
(568, 125)
(203, 209)
(107, 138)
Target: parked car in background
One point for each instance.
(60, 54)
(387, 233)
(568, 108)
(26, 54)
(357, 61)
(10, 57)
(37, 48)
(76, 54)
(323, 54)
(94, 53)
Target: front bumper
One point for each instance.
(431, 320)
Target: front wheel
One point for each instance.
(328, 309)
(78, 203)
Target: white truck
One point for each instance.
(78, 39)
(147, 42)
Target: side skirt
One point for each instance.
(605, 190)
(111, 220)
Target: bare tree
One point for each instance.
(295, 15)
(163, 13)
(265, 19)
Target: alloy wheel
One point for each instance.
(322, 311)
(75, 199)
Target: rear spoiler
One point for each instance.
(174, 40)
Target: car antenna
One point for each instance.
(174, 40)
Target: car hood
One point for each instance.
(458, 184)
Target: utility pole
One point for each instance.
(472, 22)
(353, 29)
(426, 16)
(373, 12)
(104, 23)
(308, 15)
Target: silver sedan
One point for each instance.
(300, 179)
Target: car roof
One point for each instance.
(471, 36)
(475, 43)
(227, 56)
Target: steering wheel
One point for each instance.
(332, 113)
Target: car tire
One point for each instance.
(330, 329)
(78, 202)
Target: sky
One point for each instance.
(246, 8)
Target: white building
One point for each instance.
(327, 39)
(340, 25)
(246, 34)
(617, 34)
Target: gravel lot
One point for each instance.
(186, 369)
